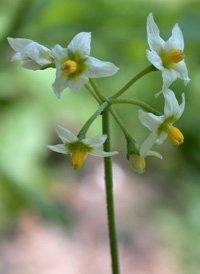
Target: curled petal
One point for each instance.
(182, 72)
(169, 76)
(153, 35)
(176, 41)
(171, 103)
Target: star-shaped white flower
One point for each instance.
(74, 66)
(79, 149)
(167, 56)
(34, 55)
(162, 126)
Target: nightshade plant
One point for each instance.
(75, 68)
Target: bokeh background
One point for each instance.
(53, 219)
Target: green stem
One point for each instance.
(86, 126)
(133, 80)
(143, 105)
(93, 93)
(109, 196)
(97, 91)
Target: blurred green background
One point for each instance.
(32, 177)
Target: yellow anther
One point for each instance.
(143, 163)
(69, 67)
(175, 136)
(77, 159)
(176, 56)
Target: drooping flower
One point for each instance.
(138, 162)
(74, 66)
(33, 55)
(79, 149)
(162, 126)
(167, 56)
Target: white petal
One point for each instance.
(153, 35)
(60, 55)
(149, 120)
(182, 72)
(169, 76)
(60, 83)
(58, 148)
(176, 41)
(38, 53)
(148, 143)
(171, 104)
(75, 84)
(18, 44)
(181, 107)
(101, 153)
(30, 64)
(97, 68)
(162, 136)
(155, 59)
(95, 141)
(65, 135)
(154, 153)
(81, 43)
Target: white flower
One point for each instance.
(167, 56)
(138, 162)
(74, 66)
(79, 149)
(162, 126)
(34, 55)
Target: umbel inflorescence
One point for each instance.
(75, 68)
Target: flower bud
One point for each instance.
(137, 162)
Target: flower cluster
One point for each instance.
(75, 68)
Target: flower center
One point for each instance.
(137, 162)
(174, 56)
(77, 159)
(175, 136)
(69, 67)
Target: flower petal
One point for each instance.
(59, 54)
(65, 135)
(97, 68)
(162, 136)
(101, 153)
(58, 148)
(30, 64)
(18, 44)
(81, 43)
(171, 103)
(154, 153)
(182, 72)
(149, 120)
(176, 40)
(153, 35)
(169, 76)
(60, 83)
(155, 59)
(75, 84)
(95, 141)
(148, 143)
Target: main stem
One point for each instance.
(109, 195)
